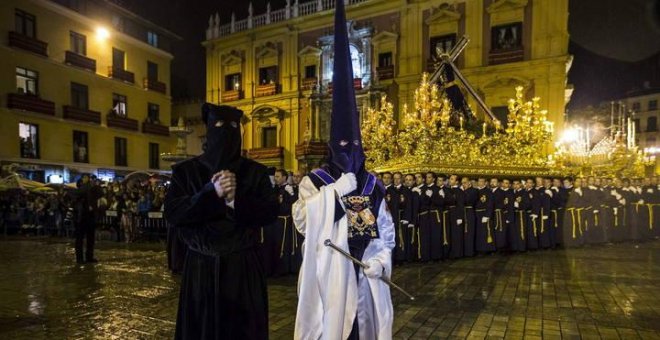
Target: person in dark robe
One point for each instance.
(398, 195)
(392, 199)
(447, 200)
(456, 208)
(521, 203)
(430, 232)
(471, 197)
(508, 214)
(483, 207)
(533, 214)
(544, 196)
(417, 207)
(554, 185)
(559, 202)
(218, 201)
(573, 223)
(284, 233)
(499, 225)
(411, 211)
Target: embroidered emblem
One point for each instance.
(361, 220)
(483, 198)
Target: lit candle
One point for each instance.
(461, 122)
(484, 129)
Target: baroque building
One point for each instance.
(277, 66)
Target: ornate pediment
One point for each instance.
(384, 36)
(508, 83)
(232, 58)
(267, 50)
(506, 5)
(443, 13)
(266, 113)
(309, 51)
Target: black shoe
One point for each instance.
(92, 260)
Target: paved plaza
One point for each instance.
(604, 292)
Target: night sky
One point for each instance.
(616, 44)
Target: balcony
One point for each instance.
(121, 74)
(229, 96)
(31, 103)
(309, 84)
(385, 72)
(27, 43)
(82, 115)
(266, 90)
(268, 156)
(357, 84)
(154, 85)
(118, 122)
(311, 149)
(75, 59)
(497, 57)
(155, 129)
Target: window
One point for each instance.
(26, 24)
(310, 71)
(355, 61)
(269, 137)
(80, 147)
(152, 71)
(233, 82)
(78, 43)
(154, 156)
(120, 151)
(636, 106)
(29, 140)
(153, 112)
(653, 105)
(152, 39)
(268, 75)
(506, 37)
(636, 124)
(385, 59)
(442, 44)
(118, 59)
(27, 81)
(79, 96)
(652, 124)
(119, 106)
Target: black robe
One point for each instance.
(484, 233)
(223, 287)
(471, 197)
(499, 224)
(457, 231)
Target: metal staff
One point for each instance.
(329, 243)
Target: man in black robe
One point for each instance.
(86, 197)
(499, 203)
(471, 196)
(284, 233)
(483, 207)
(521, 203)
(218, 201)
(456, 208)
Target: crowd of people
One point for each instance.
(440, 217)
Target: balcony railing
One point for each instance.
(155, 129)
(154, 85)
(229, 96)
(307, 149)
(28, 43)
(357, 84)
(122, 122)
(75, 59)
(309, 83)
(266, 90)
(121, 74)
(385, 72)
(82, 115)
(496, 57)
(266, 153)
(31, 103)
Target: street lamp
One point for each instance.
(102, 33)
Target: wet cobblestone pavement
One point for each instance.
(605, 292)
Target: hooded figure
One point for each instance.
(223, 286)
(344, 203)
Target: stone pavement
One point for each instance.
(605, 292)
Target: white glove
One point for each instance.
(515, 204)
(345, 184)
(618, 196)
(429, 193)
(534, 216)
(616, 210)
(459, 222)
(650, 191)
(548, 192)
(484, 219)
(544, 217)
(506, 221)
(613, 192)
(641, 201)
(289, 189)
(622, 201)
(404, 221)
(417, 190)
(442, 193)
(595, 211)
(411, 225)
(579, 191)
(374, 270)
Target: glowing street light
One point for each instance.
(102, 33)
(570, 135)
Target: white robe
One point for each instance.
(328, 295)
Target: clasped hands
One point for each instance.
(224, 183)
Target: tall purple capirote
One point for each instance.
(345, 138)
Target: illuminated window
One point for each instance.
(442, 44)
(355, 61)
(119, 105)
(152, 39)
(29, 140)
(27, 81)
(268, 75)
(506, 37)
(233, 82)
(80, 147)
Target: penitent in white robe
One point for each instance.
(329, 294)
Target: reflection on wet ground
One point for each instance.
(605, 292)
